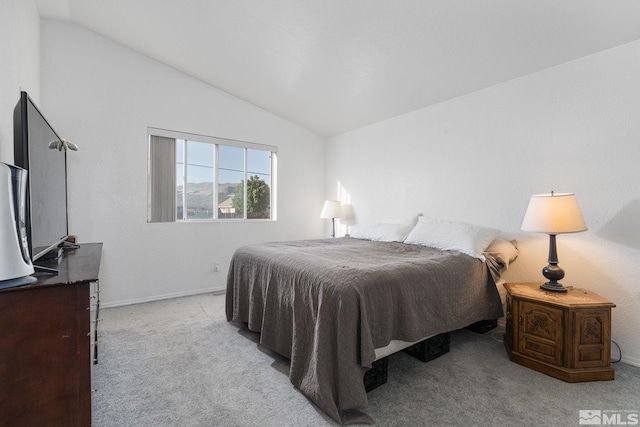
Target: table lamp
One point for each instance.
(348, 217)
(331, 209)
(553, 214)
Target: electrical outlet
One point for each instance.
(216, 267)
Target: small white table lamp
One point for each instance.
(348, 217)
(553, 214)
(331, 209)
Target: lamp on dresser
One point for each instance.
(553, 214)
(332, 209)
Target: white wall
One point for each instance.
(103, 96)
(478, 158)
(20, 64)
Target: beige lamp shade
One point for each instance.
(331, 209)
(553, 213)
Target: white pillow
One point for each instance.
(452, 236)
(383, 232)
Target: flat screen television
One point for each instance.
(46, 208)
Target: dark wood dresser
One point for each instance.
(46, 341)
(565, 335)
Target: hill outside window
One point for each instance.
(199, 178)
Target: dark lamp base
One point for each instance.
(552, 272)
(553, 287)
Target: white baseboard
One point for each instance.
(215, 291)
(630, 360)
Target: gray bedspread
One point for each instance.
(327, 304)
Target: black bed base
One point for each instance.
(377, 375)
(431, 348)
(425, 351)
(483, 326)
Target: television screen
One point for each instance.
(46, 213)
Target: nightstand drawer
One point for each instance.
(541, 332)
(592, 334)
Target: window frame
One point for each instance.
(216, 142)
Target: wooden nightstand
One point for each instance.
(565, 335)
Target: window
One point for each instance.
(196, 177)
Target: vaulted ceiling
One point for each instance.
(336, 65)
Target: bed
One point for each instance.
(329, 304)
